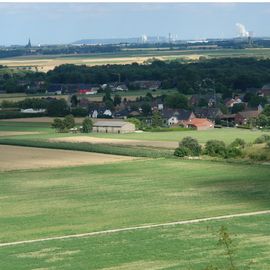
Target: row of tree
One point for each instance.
(219, 75)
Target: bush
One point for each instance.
(234, 152)
(59, 125)
(268, 145)
(262, 139)
(258, 156)
(79, 112)
(87, 125)
(136, 122)
(182, 151)
(69, 121)
(215, 148)
(191, 144)
(57, 107)
(63, 125)
(240, 143)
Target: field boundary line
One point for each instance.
(149, 226)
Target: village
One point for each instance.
(199, 112)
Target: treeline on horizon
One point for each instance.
(225, 75)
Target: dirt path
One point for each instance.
(192, 221)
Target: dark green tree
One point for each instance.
(117, 100)
(176, 101)
(69, 121)
(146, 108)
(57, 107)
(87, 125)
(157, 120)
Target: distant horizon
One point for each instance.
(65, 23)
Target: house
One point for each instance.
(232, 101)
(84, 89)
(228, 118)
(209, 113)
(30, 110)
(151, 85)
(176, 116)
(100, 112)
(113, 127)
(55, 89)
(265, 91)
(242, 118)
(120, 87)
(199, 124)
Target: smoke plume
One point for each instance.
(242, 32)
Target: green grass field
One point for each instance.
(55, 202)
(40, 203)
(225, 134)
(173, 248)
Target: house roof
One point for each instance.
(110, 124)
(199, 122)
(207, 112)
(181, 114)
(249, 114)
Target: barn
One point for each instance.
(113, 127)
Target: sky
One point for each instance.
(59, 23)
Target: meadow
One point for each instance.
(41, 203)
(38, 125)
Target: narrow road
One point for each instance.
(192, 221)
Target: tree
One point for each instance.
(263, 120)
(266, 110)
(136, 122)
(74, 101)
(59, 125)
(57, 107)
(87, 125)
(107, 95)
(146, 108)
(238, 107)
(215, 148)
(69, 121)
(176, 101)
(117, 100)
(184, 87)
(157, 119)
(256, 101)
(191, 144)
(109, 105)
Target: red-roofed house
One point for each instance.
(199, 123)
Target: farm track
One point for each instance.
(192, 221)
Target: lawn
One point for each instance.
(55, 202)
(171, 248)
(225, 134)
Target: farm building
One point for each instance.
(199, 123)
(113, 127)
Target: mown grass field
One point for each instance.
(191, 247)
(43, 203)
(54, 202)
(225, 134)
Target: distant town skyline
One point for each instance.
(61, 23)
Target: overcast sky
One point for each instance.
(51, 23)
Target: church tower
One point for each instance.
(28, 44)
